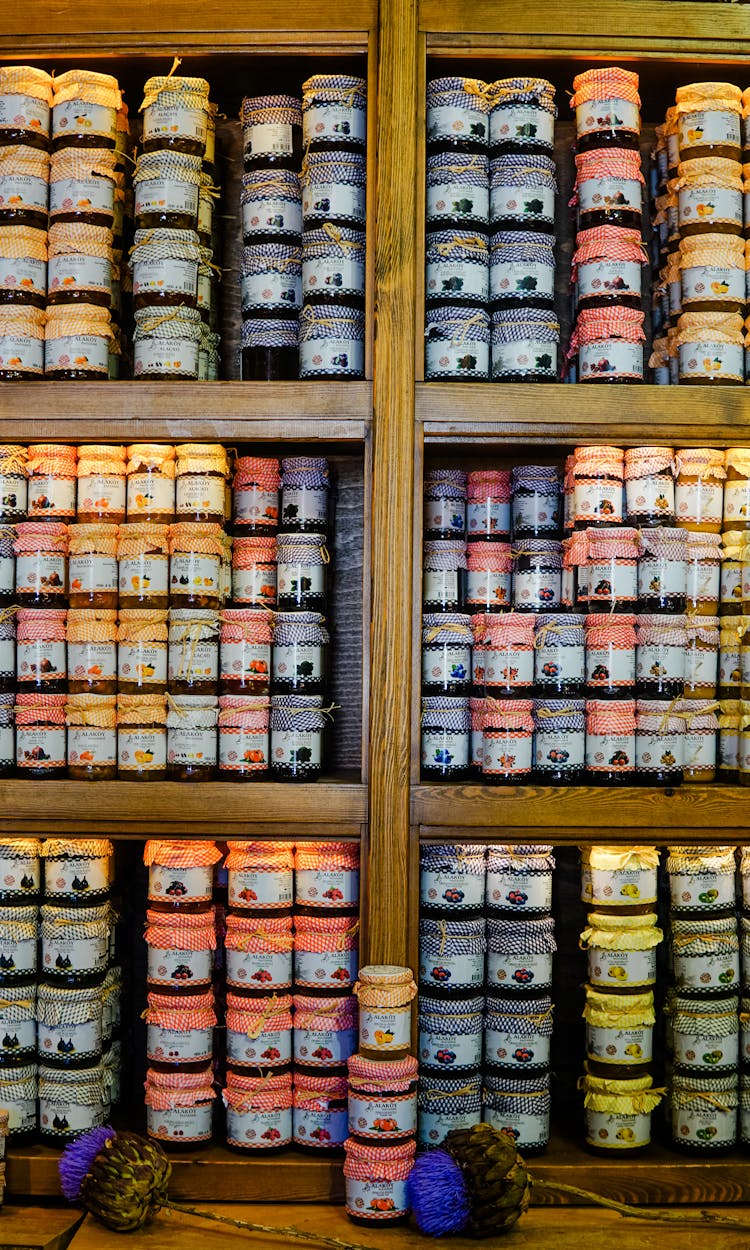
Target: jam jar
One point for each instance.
(193, 656)
(609, 187)
(101, 484)
(243, 737)
(77, 342)
(607, 107)
(82, 188)
(150, 483)
(334, 113)
(142, 737)
(166, 191)
(13, 485)
(92, 651)
(245, 651)
(92, 737)
(40, 735)
(175, 114)
(255, 495)
(24, 178)
(197, 552)
(92, 566)
(21, 343)
(192, 738)
(271, 132)
(165, 268)
(142, 554)
(84, 110)
(41, 563)
(202, 471)
(25, 103)
(51, 470)
(81, 265)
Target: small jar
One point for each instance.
(254, 572)
(522, 1106)
(326, 954)
(175, 114)
(607, 266)
(259, 1035)
(305, 484)
(41, 563)
(244, 752)
(77, 874)
(519, 958)
(519, 880)
(21, 872)
(180, 875)
(331, 343)
(537, 574)
(69, 1027)
(444, 750)
(21, 343)
(444, 504)
(326, 877)
(333, 267)
(75, 945)
(325, 1034)
(488, 577)
(334, 190)
(704, 574)
(101, 485)
(179, 1032)
(457, 344)
(77, 340)
(179, 955)
(166, 344)
(610, 655)
(84, 110)
(13, 484)
(517, 1037)
(443, 577)
(559, 740)
(92, 737)
(382, 1100)
(662, 571)
(334, 113)
(150, 483)
(376, 1190)
(255, 496)
(301, 561)
(142, 554)
(699, 490)
(71, 1103)
(193, 657)
(165, 269)
(606, 104)
(18, 946)
(26, 94)
(522, 192)
(660, 744)
(701, 657)
(260, 877)
(730, 718)
(166, 190)
(23, 254)
(271, 131)
(508, 654)
(621, 881)
(488, 505)
(610, 741)
(81, 265)
(450, 1036)
(598, 487)
(245, 652)
(92, 566)
(300, 644)
(559, 654)
(704, 1113)
(82, 188)
(259, 1112)
(706, 964)
(609, 189)
(522, 271)
(179, 1108)
(444, 1103)
(40, 735)
(19, 1094)
(92, 655)
(141, 736)
(271, 204)
(202, 471)
(619, 1033)
(197, 552)
(191, 738)
(451, 879)
(142, 651)
(258, 955)
(612, 576)
(319, 1113)
(451, 961)
(297, 724)
(384, 992)
(18, 1031)
(446, 654)
(40, 649)
(701, 880)
(618, 1115)
(660, 656)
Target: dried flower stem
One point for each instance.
(703, 1218)
(289, 1231)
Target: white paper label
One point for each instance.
(261, 970)
(40, 661)
(186, 745)
(536, 588)
(17, 954)
(610, 358)
(272, 289)
(325, 1129)
(77, 351)
(553, 665)
(509, 667)
(701, 502)
(512, 1049)
(291, 747)
(452, 970)
(628, 1046)
(245, 659)
(712, 284)
(92, 574)
(526, 204)
(80, 877)
(334, 273)
(144, 576)
(51, 497)
(75, 272)
(67, 956)
(706, 972)
(19, 876)
(487, 517)
(708, 205)
(382, 1118)
(610, 752)
(271, 215)
(178, 969)
(180, 1124)
(191, 661)
(617, 1132)
(166, 195)
(383, 1030)
(23, 112)
(68, 1040)
(79, 117)
(508, 754)
(662, 578)
(165, 1045)
(327, 887)
(711, 360)
(713, 127)
(142, 663)
(519, 892)
(613, 580)
(254, 888)
(445, 515)
(13, 489)
(256, 585)
(448, 1050)
(609, 666)
(40, 748)
(705, 1125)
(524, 356)
(486, 589)
(268, 139)
(446, 665)
(149, 494)
(324, 1048)
(18, 1037)
(259, 1128)
(528, 1130)
(271, 1049)
(298, 660)
(252, 504)
(23, 274)
(609, 278)
(192, 574)
(626, 886)
(609, 195)
(440, 586)
(619, 968)
(432, 1127)
(333, 969)
(459, 201)
(81, 196)
(340, 356)
(553, 750)
(443, 748)
(21, 353)
(300, 579)
(165, 121)
(90, 747)
(302, 505)
(243, 750)
(522, 124)
(512, 973)
(378, 1200)
(525, 280)
(60, 1118)
(451, 891)
(92, 661)
(696, 1050)
(701, 891)
(607, 114)
(660, 663)
(337, 122)
(167, 274)
(180, 885)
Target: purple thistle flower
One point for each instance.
(438, 1194)
(77, 1157)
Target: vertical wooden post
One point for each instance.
(393, 439)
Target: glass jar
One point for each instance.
(737, 489)
(166, 190)
(517, 1037)
(662, 571)
(450, 1035)
(254, 572)
(81, 265)
(621, 882)
(730, 717)
(443, 577)
(75, 945)
(245, 652)
(193, 657)
(202, 471)
(710, 198)
(610, 655)
(142, 553)
(243, 737)
(180, 875)
(608, 260)
(84, 110)
(508, 731)
(610, 741)
(18, 947)
(619, 1033)
(701, 657)
(619, 1123)
(92, 566)
(488, 577)
(20, 864)
(175, 114)
(71, 1103)
(522, 193)
(40, 735)
(196, 555)
(179, 1108)
(259, 1114)
(559, 654)
(305, 484)
(649, 486)
(699, 490)
(13, 484)
(704, 1114)
(660, 657)
(82, 188)
(259, 1035)
(179, 955)
(260, 877)
(70, 1027)
(21, 343)
(659, 744)
(300, 644)
(258, 955)
(166, 343)
(708, 120)
(270, 350)
(535, 501)
(255, 496)
(101, 485)
(301, 561)
(731, 659)
(271, 203)
(18, 1030)
(612, 570)
(51, 470)
(77, 341)
(598, 486)
(444, 504)
(92, 737)
(191, 738)
(26, 94)
(142, 737)
(23, 254)
(445, 738)
(142, 651)
(701, 739)
(297, 725)
(610, 189)
(331, 343)
(7, 650)
(319, 1115)
(508, 651)
(325, 1034)
(537, 574)
(179, 1032)
(334, 112)
(333, 267)
(326, 954)
(559, 740)
(385, 993)
(151, 483)
(607, 104)
(488, 505)
(446, 654)
(334, 190)
(704, 574)
(271, 131)
(165, 269)
(701, 881)
(92, 655)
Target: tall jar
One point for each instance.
(40, 735)
(701, 657)
(729, 740)
(659, 744)
(13, 483)
(142, 651)
(40, 649)
(101, 485)
(297, 726)
(193, 656)
(305, 484)
(301, 561)
(446, 654)
(41, 563)
(244, 753)
(92, 566)
(196, 555)
(487, 505)
(699, 489)
(51, 470)
(443, 576)
(704, 574)
(508, 654)
(488, 577)
(535, 501)
(254, 572)
(300, 643)
(255, 495)
(92, 654)
(730, 587)
(142, 554)
(192, 738)
(737, 488)
(508, 734)
(610, 741)
(142, 737)
(92, 737)
(180, 875)
(445, 504)
(260, 877)
(444, 742)
(610, 655)
(662, 570)
(150, 493)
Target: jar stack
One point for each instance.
(180, 1015)
(334, 216)
(621, 936)
(703, 1027)
(25, 116)
(518, 984)
(608, 338)
(169, 259)
(271, 201)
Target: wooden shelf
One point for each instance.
(569, 815)
(559, 414)
(208, 809)
(168, 411)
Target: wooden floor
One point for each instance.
(564, 1228)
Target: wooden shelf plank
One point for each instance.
(571, 814)
(209, 809)
(154, 411)
(556, 413)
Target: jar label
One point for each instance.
(509, 667)
(334, 273)
(553, 665)
(596, 499)
(609, 114)
(704, 580)
(298, 660)
(149, 494)
(487, 518)
(699, 1050)
(13, 489)
(446, 664)
(521, 892)
(326, 1129)
(701, 668)
(448, 1050)
(610, 752)
(444, 749)
(527, 1129)
(52, 497)
(381, 1117)
(21, 1111)
(59, 1117)
(702, 891)
(514, 1049)
(271, 1049)
(81, 196)
(38, 747)
(521, 279)
(257, 506)
(69, 1040)
(730, 585)
(144, 576)
(166, 357)
(141, 750)
(166, 195)
(736, 502)
(653, 497)
(24, 112)
(92, 574)
(188, 745)
(271, 215)
(167, 273)
(176, 968)
(446, 515)
(712, 283)
(292, 747)
(659, 752)
(709, 206)
(17, 955)
(324, 1048)
(712, 360)
(461, 201)
(610, 195)
(77, 351)
(522, 125)
(191, 574)
(661, 577)
(102, 494)
(77, 272)
(327, 887)
(704, 1124)
(610, 358)
(256, 888)
(610, 666)
(23, 273)
(66, 956)
(444, 358)
(261, 970)
(519, 972)
(376, 1200)
(706, 972)
(433, 1126)
(40, 661)
(451, 891)
(141, 662)
(611, 279)
(299, 579)
(712, 127)
(440, 586)
(77, 876)
(623, 886)
(256, 585)
(243, 750)
(180, 885)
(452, 121)
(272, 289)
(18, 1038)
(452, 971)
(559, 750)
(629, 1046)
(519, 203)
(19, 876)
(194, 661)
(77, 117)
(338, 122)
(180, 1124)
(613, 580)
(334, 969)
(21, 353)
(245, 659)
(268, 139)
(729, 751)
(701, 502)
(507, 753)
(615, 968)
(199, 494)
(300, 505)
(164, 1045)
(536, 588)
(616, 1131)
(525, 356)
(165, 121)
(259, 1128)
(485, 588)
(92, 661)
(340, 356)
(91, 747)
(383, 1030)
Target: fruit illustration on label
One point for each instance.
(384, 1037)
(618, 973)
(634, 1050)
